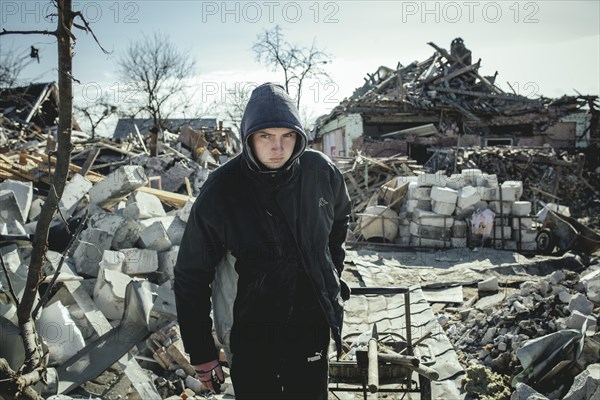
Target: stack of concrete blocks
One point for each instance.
(438, 208)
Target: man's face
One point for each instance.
(273, 146)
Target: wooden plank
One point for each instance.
(139, 136)
(356, 187)
(175, 199)
(89, 161)
(188, 186)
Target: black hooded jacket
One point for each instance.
(276, 223)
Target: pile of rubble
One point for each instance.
(564, 178)
(542, 333)
(125, 237)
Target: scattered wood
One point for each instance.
(367, 175)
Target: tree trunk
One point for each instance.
(40, 241)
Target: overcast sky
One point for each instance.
(545, 48)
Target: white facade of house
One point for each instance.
(339, 134)
(582, 122)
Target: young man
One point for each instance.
(282, 211)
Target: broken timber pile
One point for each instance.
(366, 176)
(562, 178)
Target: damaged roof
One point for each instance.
(449, 83)
(36, 103)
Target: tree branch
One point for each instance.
(46, 32)
(12, 386)
(11, 289)
(40, 241)
(46, 294)
(89, 29)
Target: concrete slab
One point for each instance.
(455, 182)
(9, 207)
(487, 193)
(426, 179)
(166, 262)
(506, 207)
(184, 212)
(459, 229)
(141, 205)
(53, 261)
(155, 237)
(75, 190)
(164, 310)
(521, 208)
(591, 283)
(101, 238)
(35, 209)
(96, 325)
(117, 185)
(125, 230)
(23, 193)
(577, 319)
(173, 225)
(488, 285)
(444, 194)
(450, 295)
(472, 176)
(489, 180)
(109, 293)
(112, 260)
(442, 208)
(430, 232)
(411, 205)
(525, 392)
(468, 196)
(511, 190)
(586, 385)
(13, 228)
(489, 302)
(579, 302)
(420, 193)
(61, 335)
(140, 261)
(87, 257)
(431, 218)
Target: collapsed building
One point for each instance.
(444, 102)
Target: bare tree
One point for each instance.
(297, 63)
(232, 108)
(18, 384)
(156, 72)
(11, 65)
(96, 112)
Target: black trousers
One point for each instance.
(282, 361)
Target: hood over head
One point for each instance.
(271, 107)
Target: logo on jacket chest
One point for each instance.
(322, 202)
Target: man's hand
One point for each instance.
(211, 380)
